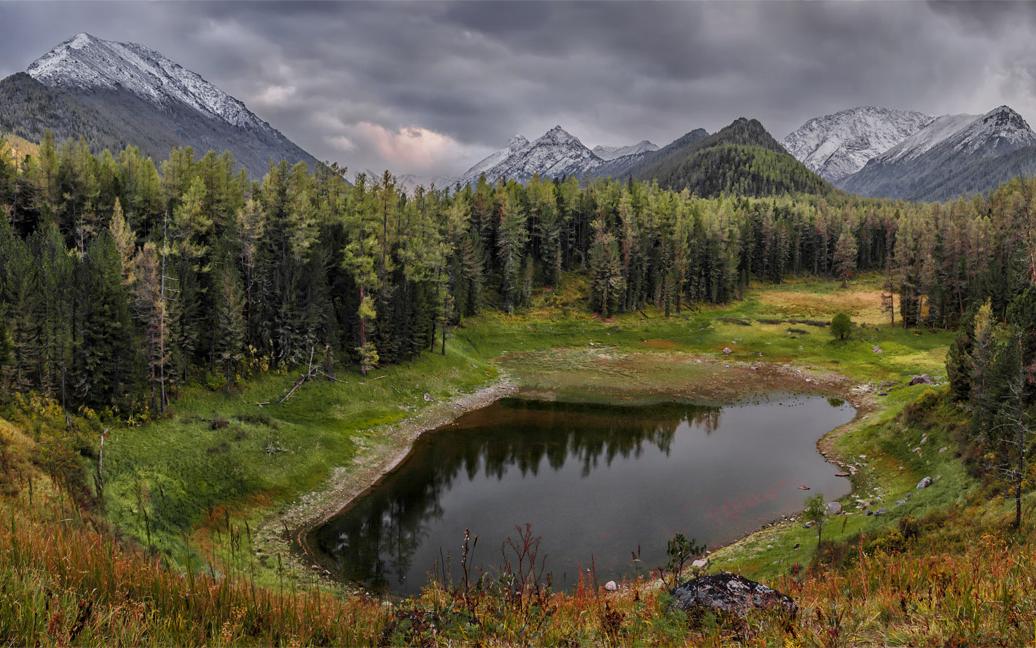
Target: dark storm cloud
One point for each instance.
(429, 87)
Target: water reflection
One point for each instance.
(594, 481)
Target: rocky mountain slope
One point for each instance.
(952, 156)
(630, 166)
(838, 145)
(611, 152)
(115, 94)
(556, 154)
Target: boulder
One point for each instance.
(834, 508)
(611, 586)
(701, 563)
(730, 594)
(924, 483)
(923, 379)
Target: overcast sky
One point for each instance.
(430, 88)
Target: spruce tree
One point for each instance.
(845, 256)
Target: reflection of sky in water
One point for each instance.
(595, 482)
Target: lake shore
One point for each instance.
(705, 380)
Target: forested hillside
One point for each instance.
(741, 159)
(119, 282)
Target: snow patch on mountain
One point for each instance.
(86, 62)
(940, 129)
(837, 145)
(517, 143)
(613, 152)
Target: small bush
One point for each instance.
(841, 326)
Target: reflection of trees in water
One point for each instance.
(374, 541)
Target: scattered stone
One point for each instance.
(842, 474)
(796, 546)
(730, 594)
(611, 586)
(834, 508)
(701, 563)
(876, 349)
(943, 449)
(427, 397)
(808, 525)
(916, 450)
(881, 511)
(924, 483)
(901, 502)
(803, 487)
(727, 351)
(923, 379)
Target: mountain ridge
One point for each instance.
(841, 143)
(115, 94)
(955, 155)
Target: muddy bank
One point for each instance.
(284, 534)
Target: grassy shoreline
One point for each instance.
(213, 564)
(362, 427)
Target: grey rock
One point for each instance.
(730, 594)
(611, 586)
(923, 379)
(924, 483)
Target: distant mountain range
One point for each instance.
(115, 94)
(897, 154)
(741, 158)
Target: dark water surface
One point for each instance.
(596, 482)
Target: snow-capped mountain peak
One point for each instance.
(839, 144)
(953, 155)
(555, 154)
(613, 152)
(558, 135)
(517, 142)
(85, 62)
(999, 129)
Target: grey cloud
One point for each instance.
(612, 72)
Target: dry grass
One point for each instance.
(863, 305)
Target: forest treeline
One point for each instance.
(120, 280)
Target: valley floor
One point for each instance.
(221, 489)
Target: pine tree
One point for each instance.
(152, 308)
(123, 237)
(958, 359)
(229, 334)
(103, 358)
(512, 237)
(359, 261)
(607, 284)
(845, 256)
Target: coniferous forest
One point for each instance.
(121, 281)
